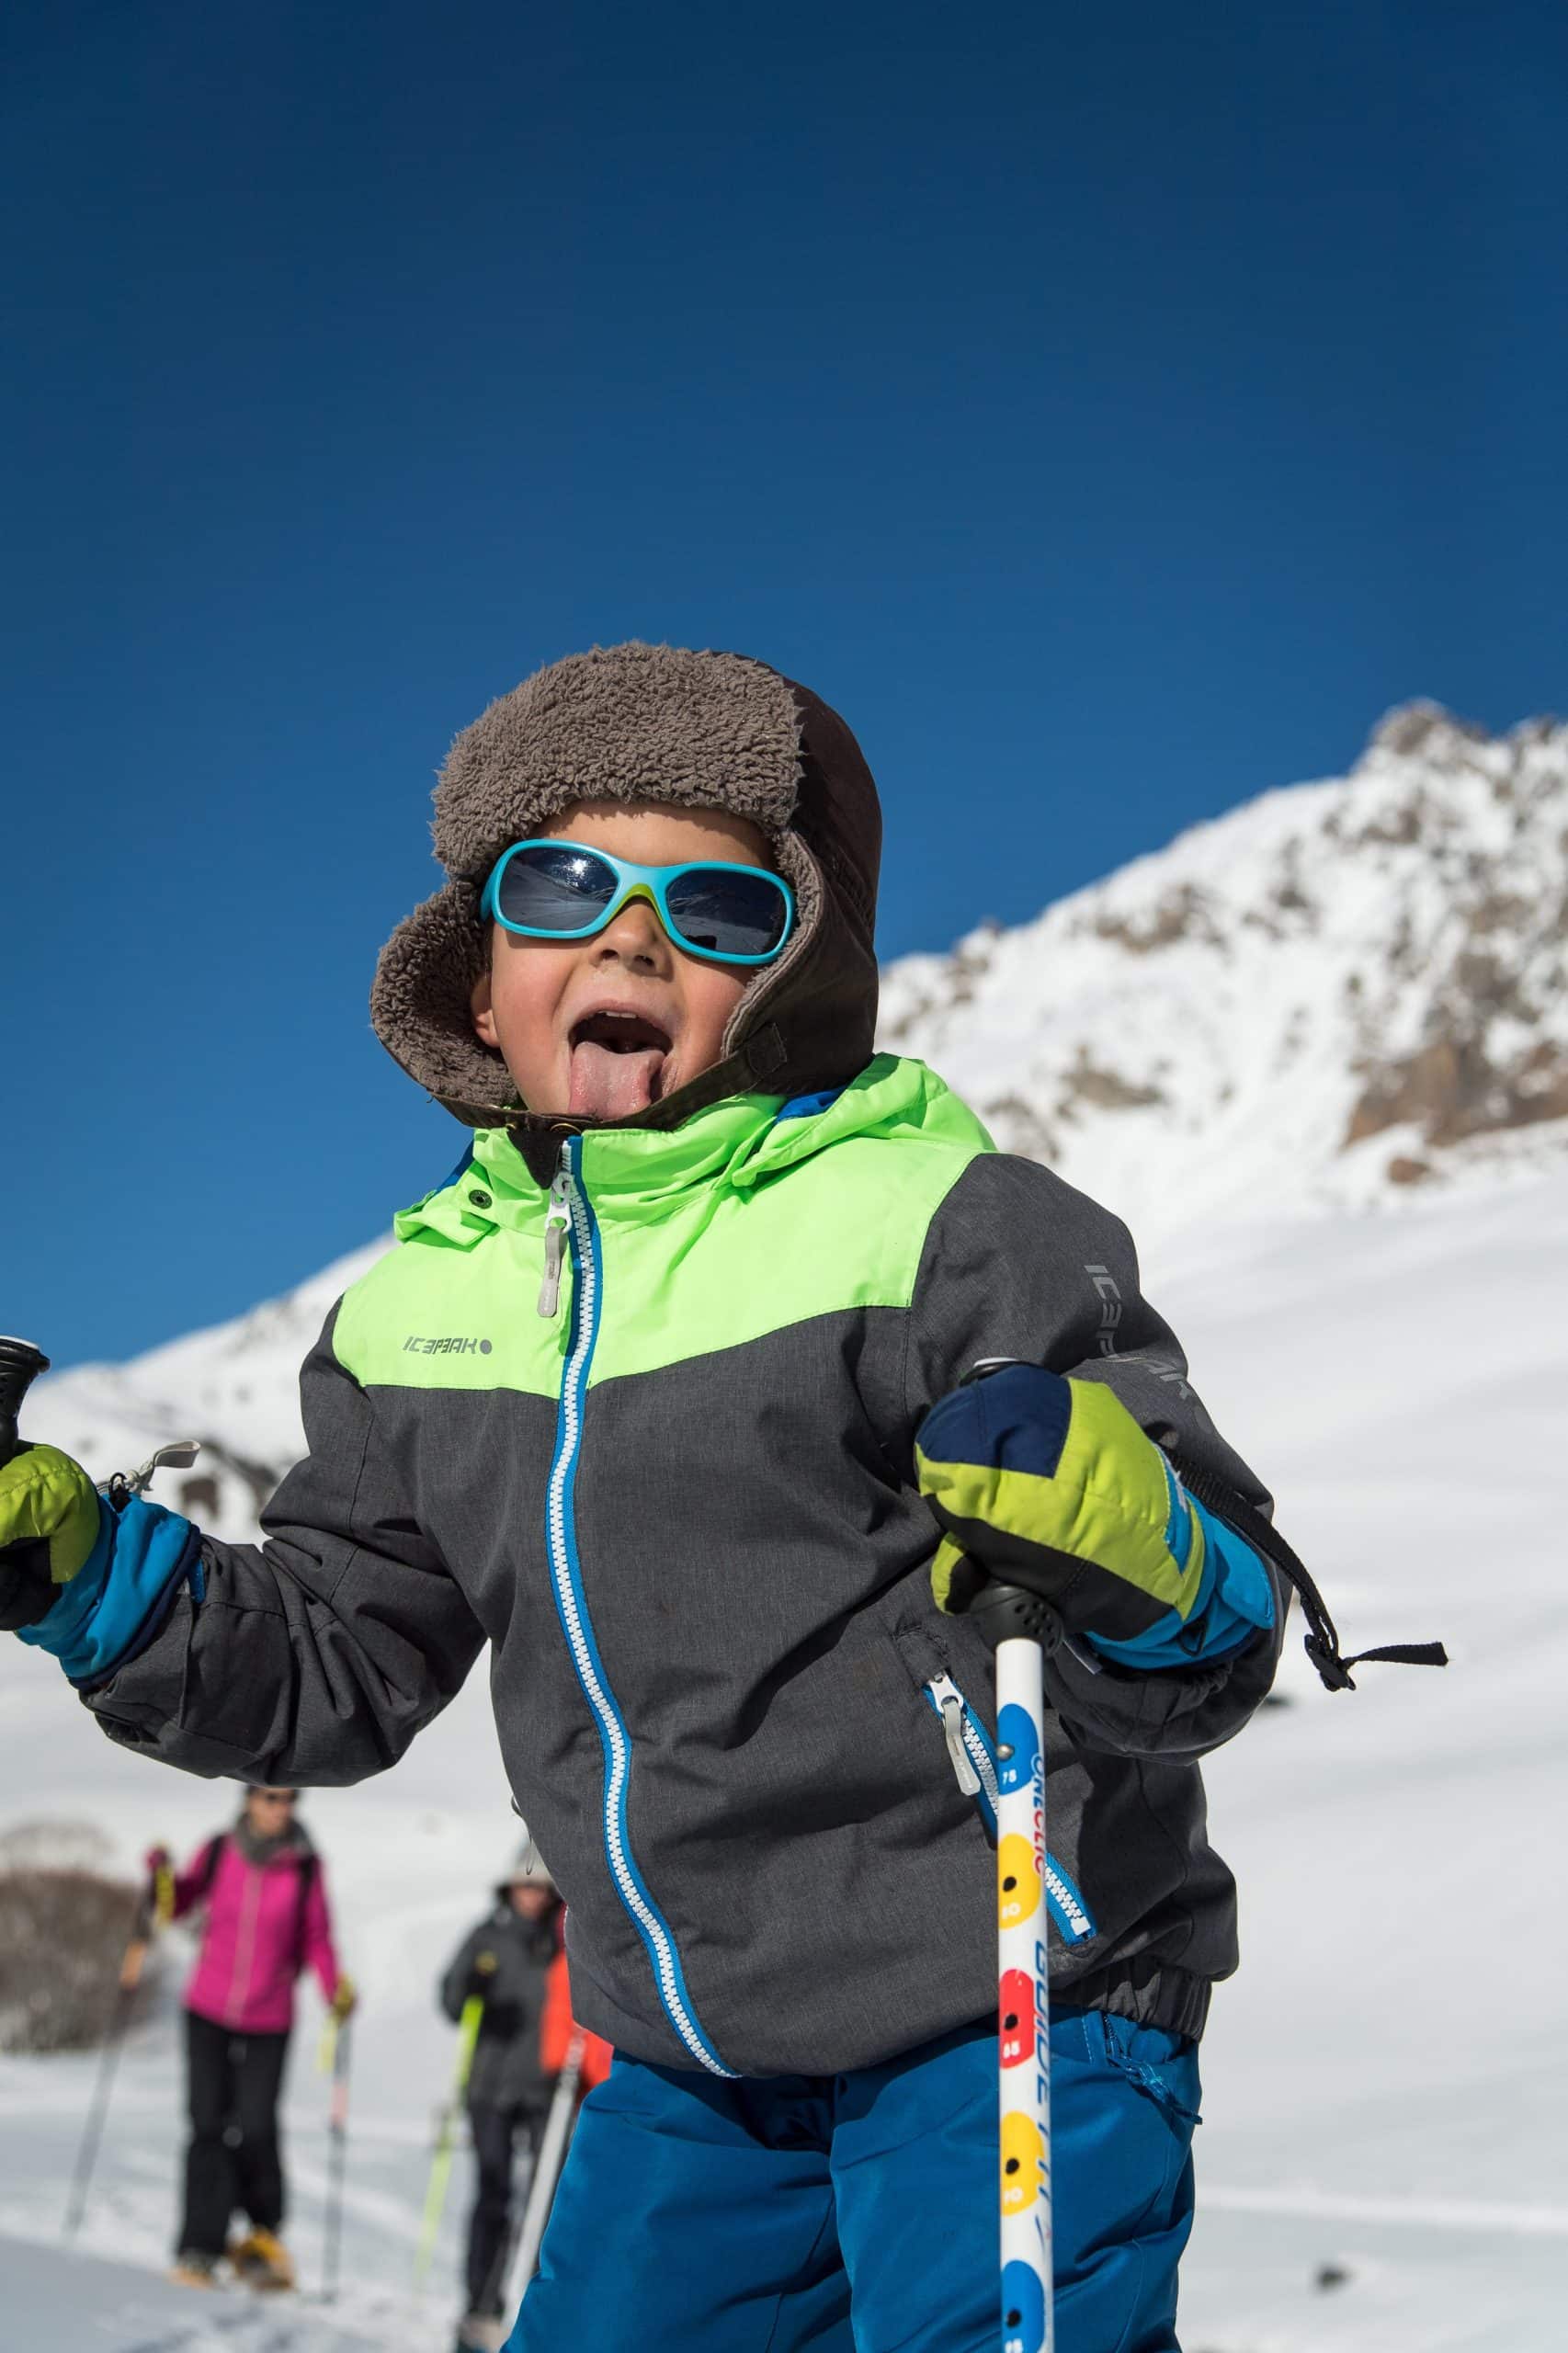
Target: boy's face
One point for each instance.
(600, 1029)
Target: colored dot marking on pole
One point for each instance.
(1018, 1880)
(1017, 2017)
(1023, 2308)
(1023, 2153)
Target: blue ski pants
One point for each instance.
(857, 2213)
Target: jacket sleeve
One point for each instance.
(455, 1986)
(1018, 1263)
(314, 1658)
(194, 1878)
(320, 1952)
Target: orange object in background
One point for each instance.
(556, 2027)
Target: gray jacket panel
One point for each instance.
(760, 1601)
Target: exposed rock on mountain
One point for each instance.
(1340, 988)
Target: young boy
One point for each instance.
(636, 1401)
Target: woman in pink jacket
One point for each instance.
(267, 1921)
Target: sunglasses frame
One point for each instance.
(649, 882)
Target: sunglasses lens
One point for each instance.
(550, 888)
(729, 912)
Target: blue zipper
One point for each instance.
(967, 1735)
(565, 1569)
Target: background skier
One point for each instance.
(505, 1963)
(262, 1893)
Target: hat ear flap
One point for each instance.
(422, 1007)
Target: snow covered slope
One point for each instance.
(234, 1387)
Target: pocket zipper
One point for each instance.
(974, 1768)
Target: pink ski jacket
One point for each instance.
(260, 1932)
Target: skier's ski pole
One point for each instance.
(28, 1592)
(1015, 1622)
(153, 1911)
(337, 2059)
(547, 2164)
(441, 2162)
(20, 1364)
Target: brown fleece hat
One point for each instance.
(651, 723)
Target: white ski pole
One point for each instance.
(1024, 2006)
(551, 2157)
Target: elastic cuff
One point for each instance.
(141, 1556)
(1236, 1604)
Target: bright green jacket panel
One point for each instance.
(738, 1225)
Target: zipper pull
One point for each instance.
(952, 1728)
(557, 1223)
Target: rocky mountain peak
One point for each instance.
(1336, 992)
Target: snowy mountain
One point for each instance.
(233, 1387)
(1338, 990)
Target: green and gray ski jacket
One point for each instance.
(677, 1496)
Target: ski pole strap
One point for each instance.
(1322, 1643)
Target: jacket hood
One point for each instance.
(651, 723)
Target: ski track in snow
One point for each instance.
(1382, 2114)
(1428, 2214)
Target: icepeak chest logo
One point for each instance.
(449, 1343)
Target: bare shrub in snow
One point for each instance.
(62, 1939)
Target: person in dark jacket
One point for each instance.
(504, 1963)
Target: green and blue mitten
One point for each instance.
(1049, 1484)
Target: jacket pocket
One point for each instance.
(973, 1757)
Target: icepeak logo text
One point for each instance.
(451, 1344)
(1163, 1367)
(1104, 1283)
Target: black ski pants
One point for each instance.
(234, 2161)
(496, 2131)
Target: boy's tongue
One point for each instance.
(615, 1073)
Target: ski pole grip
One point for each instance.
(20, 1364)
(1001, 1612)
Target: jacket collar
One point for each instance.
(639, 1174)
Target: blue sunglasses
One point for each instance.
(556, 889)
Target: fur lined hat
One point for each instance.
(651, 723)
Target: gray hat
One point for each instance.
(651, 723)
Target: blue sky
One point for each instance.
(1112, 412)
